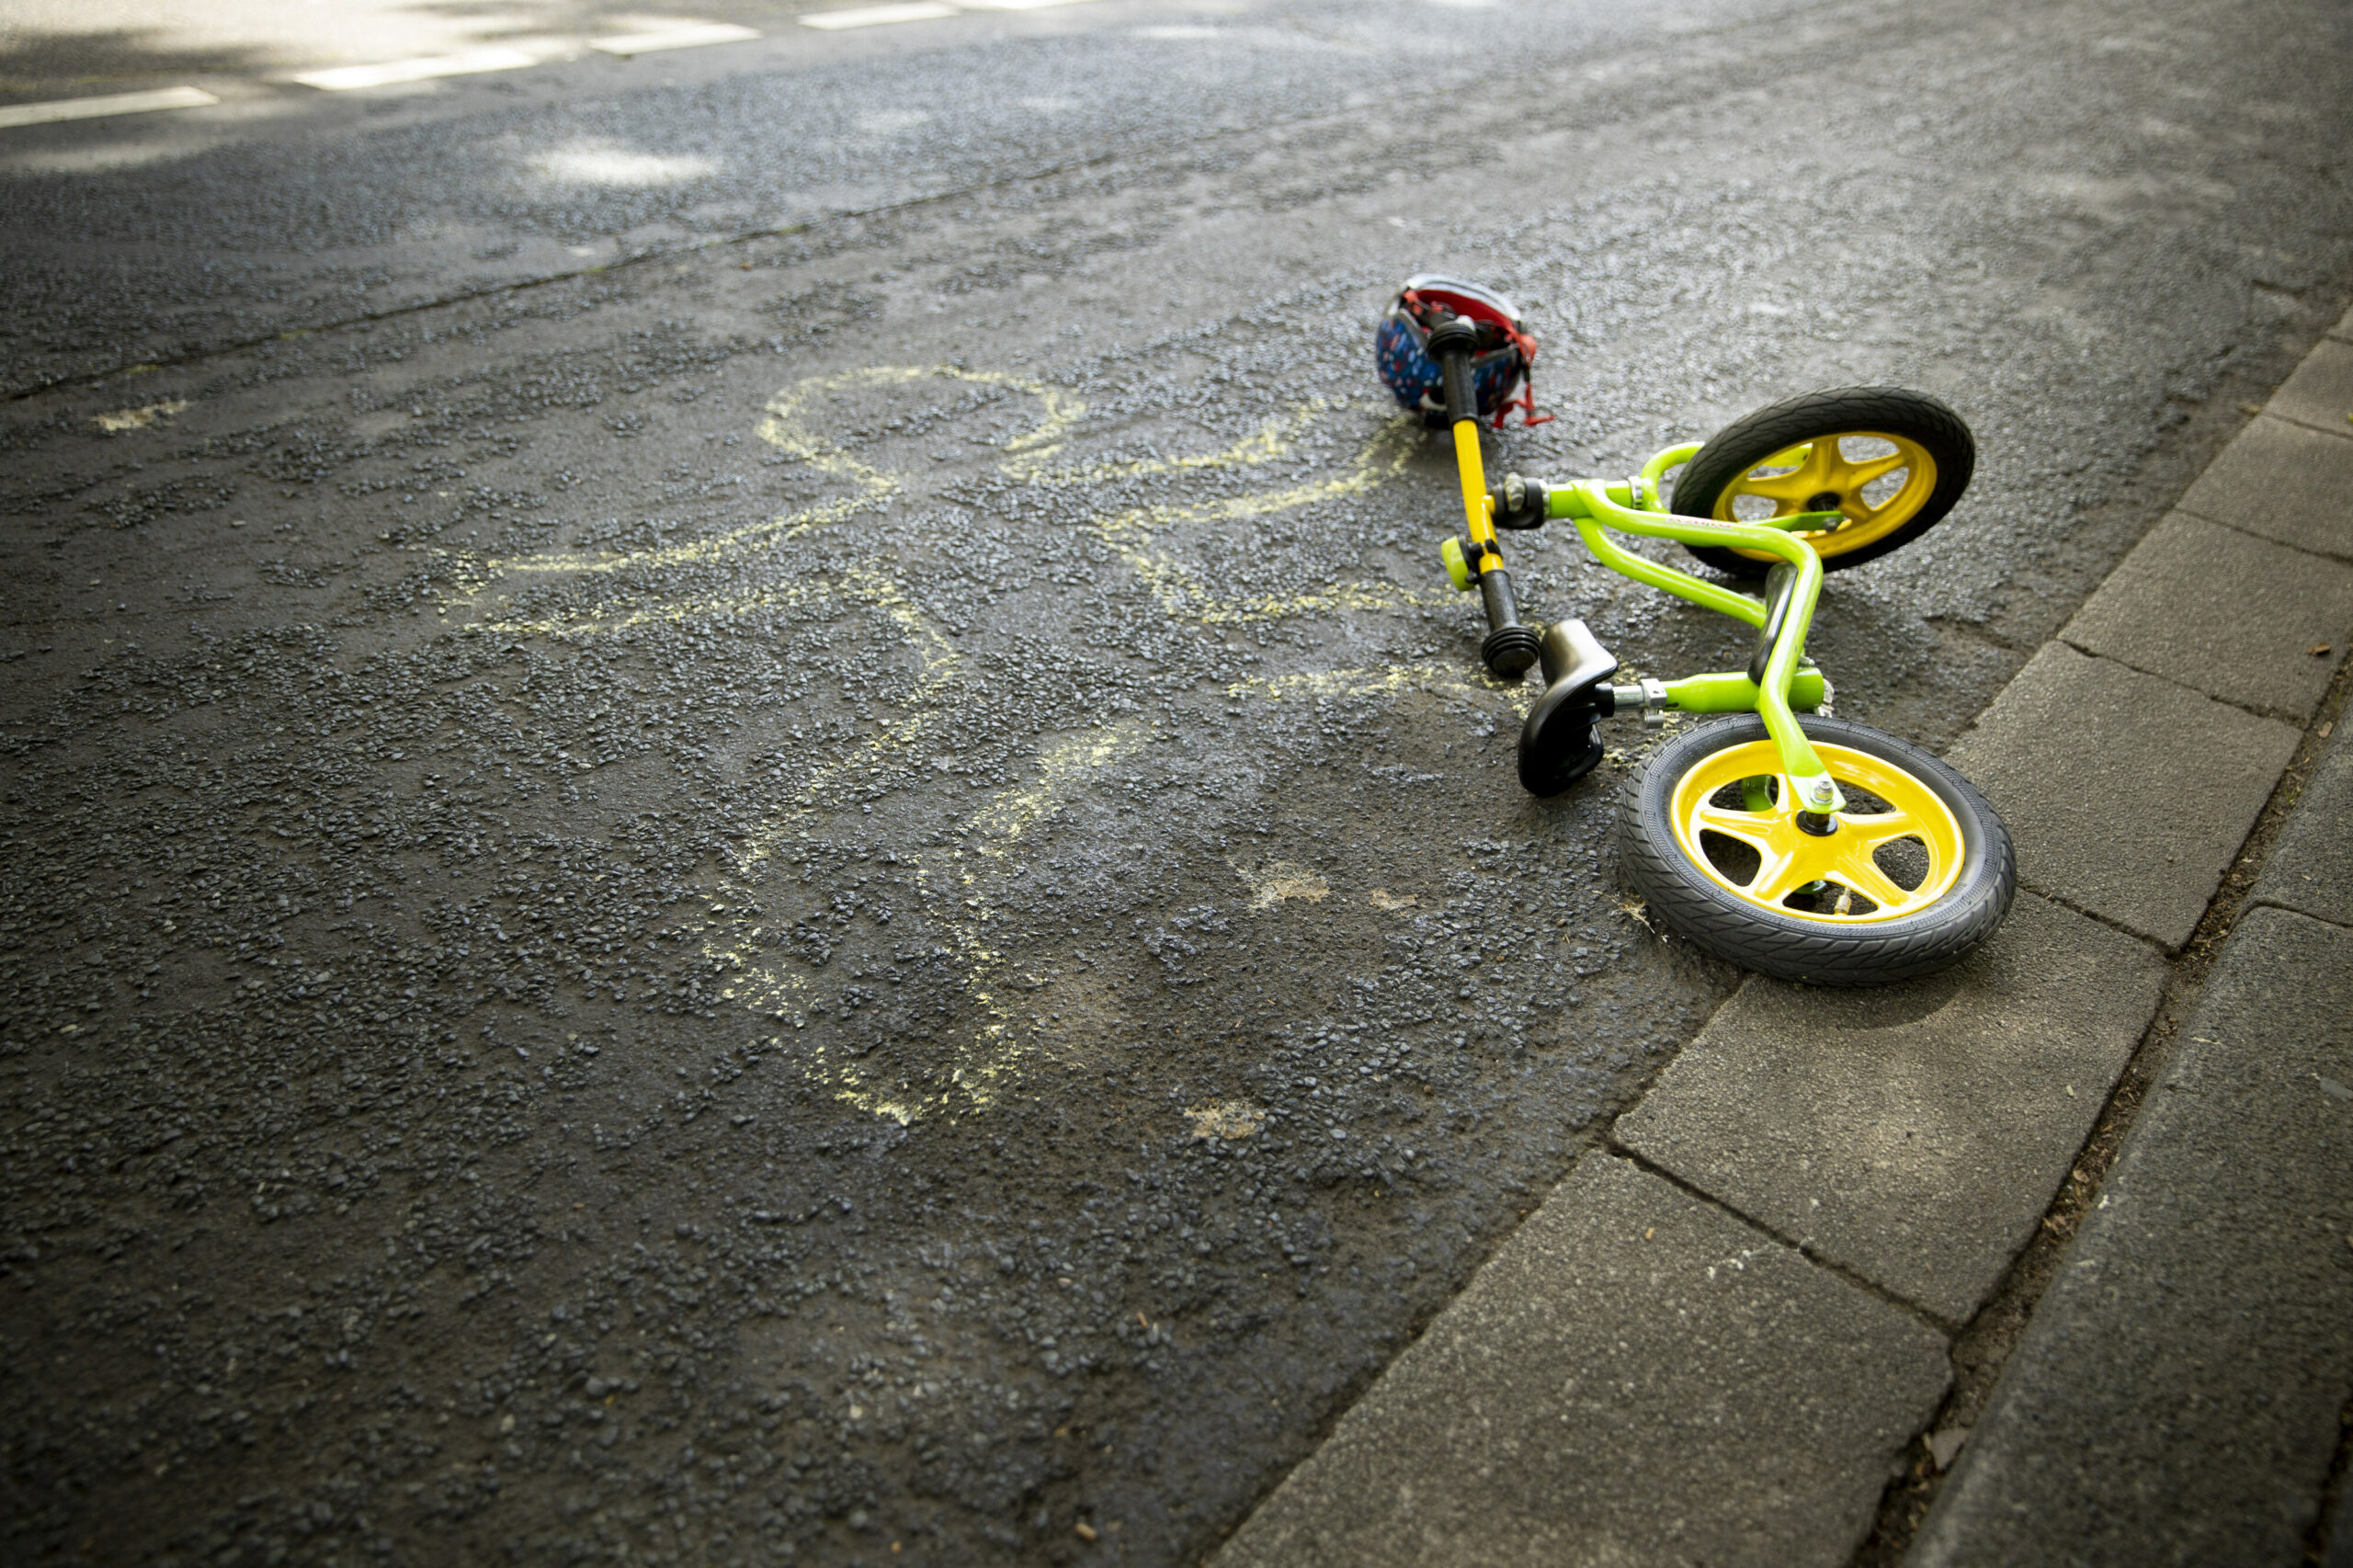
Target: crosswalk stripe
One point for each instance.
(877, 16)
(690, 35)
(345, 78)
(100, 108)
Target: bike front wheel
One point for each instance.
(1914, 872)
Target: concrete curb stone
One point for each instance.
(1624, 1334)
(2176, 1397)
(2310, 868)
(2320, 393)
(1911, 1134)
(2092, 765)
(2225, 613)
(2284, 481)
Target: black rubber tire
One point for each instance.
(1790, 946)
(1855, 411)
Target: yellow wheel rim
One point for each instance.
(1845, 876)
(1879, 491)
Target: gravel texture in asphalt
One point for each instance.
(850, 897)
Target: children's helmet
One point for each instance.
(1500, 358)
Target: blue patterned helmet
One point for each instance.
(1500, 359)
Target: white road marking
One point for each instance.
(100, 108)
(389, 72)
(345, 78)
(595, 164)
(877, 16)
(686, 35)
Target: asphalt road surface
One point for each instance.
(744, 822)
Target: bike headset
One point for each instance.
(1502, 357)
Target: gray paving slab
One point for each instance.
(2311, 867)
(2321, 391)
(2284, 481)
(1636, 1377)
(2344, 327)
(1913, 1133)
(2175, 1400)
(2222, 611)
(2127, 794)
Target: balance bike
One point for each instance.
(1792, 843)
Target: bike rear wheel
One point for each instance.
(1891, 462)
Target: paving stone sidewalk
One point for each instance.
(1716, 1342)
(2177, 1396)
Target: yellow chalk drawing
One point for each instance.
(961, 888)
(628, 615)
(1180, 595)
(980, 1067)
(1000, 1047)
(1016, 811)
(1279, 882)
(1272, 441)
(761, 984)
(786, 428)
(1129, 532)
(1225, 1119)
(1380, 460)
(140, 419)
(1388, 680)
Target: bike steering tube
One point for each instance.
(1510, 646)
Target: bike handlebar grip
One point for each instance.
(1450, 343)
(1495, 593)
(1510, 646)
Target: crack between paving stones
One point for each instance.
(1944, 1328)
(2268, 539)
(2306, 423)
(2279, 715)
(1983, 1345)
(2096, 918)
(2305, 915)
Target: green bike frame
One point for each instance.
(1786, 683)
(1633, 507)
(1771, 689)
